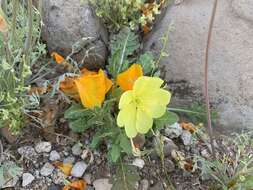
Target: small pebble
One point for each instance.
(54, 187)
(43, 147)
(28, 152)
(77, 149)
(138, 162)
(79, 169)
(174, 131)
(47, 169)
(54, 155)
(69, 160)
(102, 184)
(27, 179)
(186, 137)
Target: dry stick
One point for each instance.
(207, 99)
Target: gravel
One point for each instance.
(27, 179)
(77, 149)
(102, 184)
(79, 169)
(186, 137)
(138, 162)
(54, 155)
(43, 147)
(47, 169)
(174, 131)
(28, 152)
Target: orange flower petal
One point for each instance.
(85, 71)
(57, 57)
(126, 79)
(65, 168)
(93, 88)
(68, 86)
(189, 127)
(77, 185)
(3, 25)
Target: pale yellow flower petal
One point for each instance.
(127, 117)
(143, 121)
(125, 99)
(153, 105)
(145, 85)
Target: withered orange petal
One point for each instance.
(77, 185)
(57, 57)
(85, 71)
(68, 86)
(3, 24)
(126, 79)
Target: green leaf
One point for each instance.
(76, 111)
(79, 125)
(147, 62)
(168, 118)
(114, 153)
(122, 46)
(125, 143)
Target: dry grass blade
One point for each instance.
(207, 99)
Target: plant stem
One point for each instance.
(207, 98)
(28, 41)
(14, 20)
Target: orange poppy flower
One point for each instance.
(92, 88)
(126, 79)
(3, 24)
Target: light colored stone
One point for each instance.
(186, 137)
(43, 147)
(173, 131)
(102, 184)
(54, 155)
(28, 152)
(68, 21)
(47, 169)
(230, 60)
(27, 179)
(77, 149)
(138, 162)
(69, 160)
(79, 169)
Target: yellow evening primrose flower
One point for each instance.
(139, 106)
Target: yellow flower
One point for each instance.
(92, 88)
(139, 106)
(126, 79)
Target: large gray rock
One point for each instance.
(231, 55)
(69, 21)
